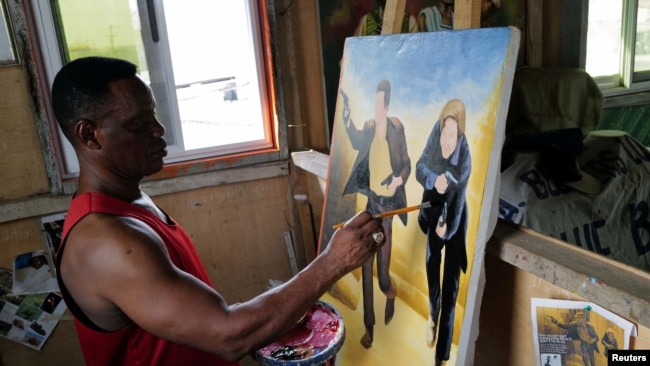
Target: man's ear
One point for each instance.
(85, 133)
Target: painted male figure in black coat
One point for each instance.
(380, 170)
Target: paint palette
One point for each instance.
(314, 340)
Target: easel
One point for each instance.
(467, 14)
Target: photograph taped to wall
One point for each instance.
(52, 228)
(420, 119)
(28, 319)
(576, 332)
(34, 273)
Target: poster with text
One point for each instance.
(420, 121)
(576, 332)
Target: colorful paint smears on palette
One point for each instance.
(313, 340)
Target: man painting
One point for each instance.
(129, 273)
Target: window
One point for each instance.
(7, 53)
(206, 61)
(618, 45)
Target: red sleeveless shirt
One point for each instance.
(133, 345)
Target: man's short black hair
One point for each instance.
(384, 86)
(81, 87)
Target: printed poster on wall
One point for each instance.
(420, 120)
(577, 332)
(35, 272)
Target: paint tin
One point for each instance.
(313, 341)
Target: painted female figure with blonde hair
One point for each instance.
(443, 170)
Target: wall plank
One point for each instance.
(238, 230)
(21, 160)
(302, 74)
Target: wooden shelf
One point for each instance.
(620, 288)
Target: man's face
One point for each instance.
(131, 136)
(380, 107)
(449, 137)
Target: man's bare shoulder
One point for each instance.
(100, 234)
(103, 253)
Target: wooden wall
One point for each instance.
(21, 161)
(23, 175)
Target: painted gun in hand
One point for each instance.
(344, 96)
(346, 107)
(553, 320)
(451, 177)
(387, 181)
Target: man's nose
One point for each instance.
(158, 129)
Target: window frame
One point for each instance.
(60, 183)
(7, 35)
(621, 89)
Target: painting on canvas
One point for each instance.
(419, 122)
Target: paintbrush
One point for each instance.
(394, 212)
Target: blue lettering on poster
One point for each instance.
(608, 164)
(588, 234)
(508, 211)
(543, 188)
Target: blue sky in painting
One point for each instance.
(427, 68)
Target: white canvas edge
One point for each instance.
(489, 209)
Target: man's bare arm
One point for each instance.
(131, 273)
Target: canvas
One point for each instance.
(420, 118)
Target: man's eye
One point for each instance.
(139, 126)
